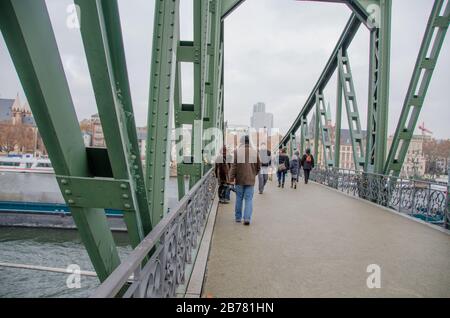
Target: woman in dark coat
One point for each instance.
(283, 167)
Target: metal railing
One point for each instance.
(428, 201)
(171, 245)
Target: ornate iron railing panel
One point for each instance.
(170, 246)
(425, 200)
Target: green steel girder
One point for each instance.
(293, 145)
(102, 39)
(201, 31)
(228, 6)
(178, 108)
(423, 71)
(161, 104)
(378, 106)
(344, 41)
(213, 72)
(304, 136)
(354, 123)
(197, 52)
(316, 120)
(86, 193)
(365, 10)
(337, 134)
(29, 36)
(321, 119)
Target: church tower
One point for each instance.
(16, 111)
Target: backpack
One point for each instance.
(308, 159)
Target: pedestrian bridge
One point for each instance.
(317, 242)
(312, 242)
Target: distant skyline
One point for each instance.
(275, 51)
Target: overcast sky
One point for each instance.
(275, 52)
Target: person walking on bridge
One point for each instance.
(222, 173)
(307, 164)
(283, 167)
(295, 169)
(266, 161)
(244, 169)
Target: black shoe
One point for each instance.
(282, 186)
(247, 223)
(295, 186)
(279, 185)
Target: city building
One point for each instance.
(260, 119)
(415, 162)
(18, 131)
(12, 111)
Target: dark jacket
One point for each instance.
(222, 168)
(295, 165)
(266, 158)
(307, 165)
(246, 166)
(282, 158)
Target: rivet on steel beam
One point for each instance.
(64, 181)
(127, 206)
(70, 201)
(68, 192)
(125, 196)
(123, 186)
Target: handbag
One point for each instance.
(282, 167)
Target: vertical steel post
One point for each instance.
(161, 104)
(337, 134)
(302, 135)
(378, 107)
(317, 128)
(179, 137)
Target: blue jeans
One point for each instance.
(244, 193)
(281, 175)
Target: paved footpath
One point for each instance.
(316, 242)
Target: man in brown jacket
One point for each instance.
(245, 168)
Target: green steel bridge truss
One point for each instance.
(93, 179)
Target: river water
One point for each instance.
(46, 247)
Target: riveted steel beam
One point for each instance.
(213, 75)
(354, 123)
(378, 106)
(102, 38)
(84, 193)
(28, 34)
(304, 136)
(161, 104)
(423, 71)
(344, 41)
(324, 131)
(337, 133)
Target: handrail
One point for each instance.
(163, 230)
(425, 200)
